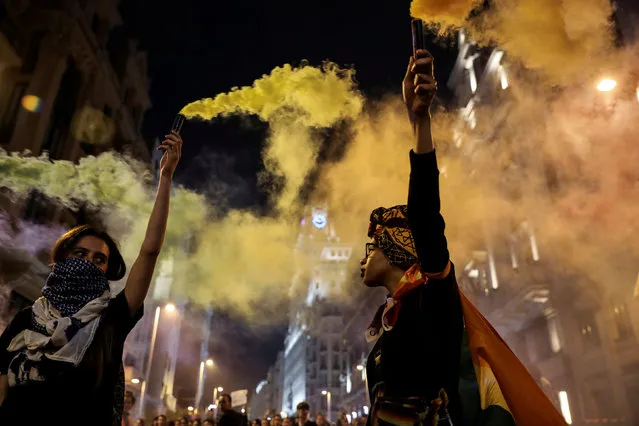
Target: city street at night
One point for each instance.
(319, 213)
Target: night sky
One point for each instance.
(199, 48)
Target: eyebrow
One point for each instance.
(80, 248)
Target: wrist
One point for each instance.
(166, 176)
(423, 135)
(421, 120)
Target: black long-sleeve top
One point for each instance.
(421, 354)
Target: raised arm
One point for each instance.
(137, 285)
(425, 219)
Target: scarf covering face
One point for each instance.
(389, 228)
(502, 380)
(63, 321)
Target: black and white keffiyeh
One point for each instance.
(63, 322)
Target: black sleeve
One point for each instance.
(119, 315)
(424, 217)
(19, 323)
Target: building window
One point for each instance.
(553, 331)
(538, 343)
(323, 362)
(588, 330)
(622, 322)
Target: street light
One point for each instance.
(606, 85)
(169, 308)
(215, 391)
(135, 381)
(190, 408)
(200, 383)
(328, 404)
(360, 367)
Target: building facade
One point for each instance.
(354, 399)
(313, 353)
(580, 345)
(310, 368)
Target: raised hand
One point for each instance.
(172, 147)
(419, 86)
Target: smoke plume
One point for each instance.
(564, 40)
(447, 15)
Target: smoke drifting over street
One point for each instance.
(553, 128)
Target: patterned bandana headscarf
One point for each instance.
(63, 321)
(389, 228)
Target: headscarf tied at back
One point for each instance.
(389, 228)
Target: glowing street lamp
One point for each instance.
(215, 391)
(190, 408)
(200, 383)
(606, 85)
(135, 381)
(170, 307)
(328, 404)
(360, 367)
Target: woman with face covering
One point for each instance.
(61, 359)
(436, 360)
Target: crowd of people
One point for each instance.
(230, 417)
(304, 417)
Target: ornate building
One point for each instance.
(311, 365)
(313, 353)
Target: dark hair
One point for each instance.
(116, 267)
(229, 397)
(303, 406)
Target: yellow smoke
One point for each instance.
(500, 175)
(292, 100)
(316, 97)
(563, 39)
(446, 14)
(243, 259)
